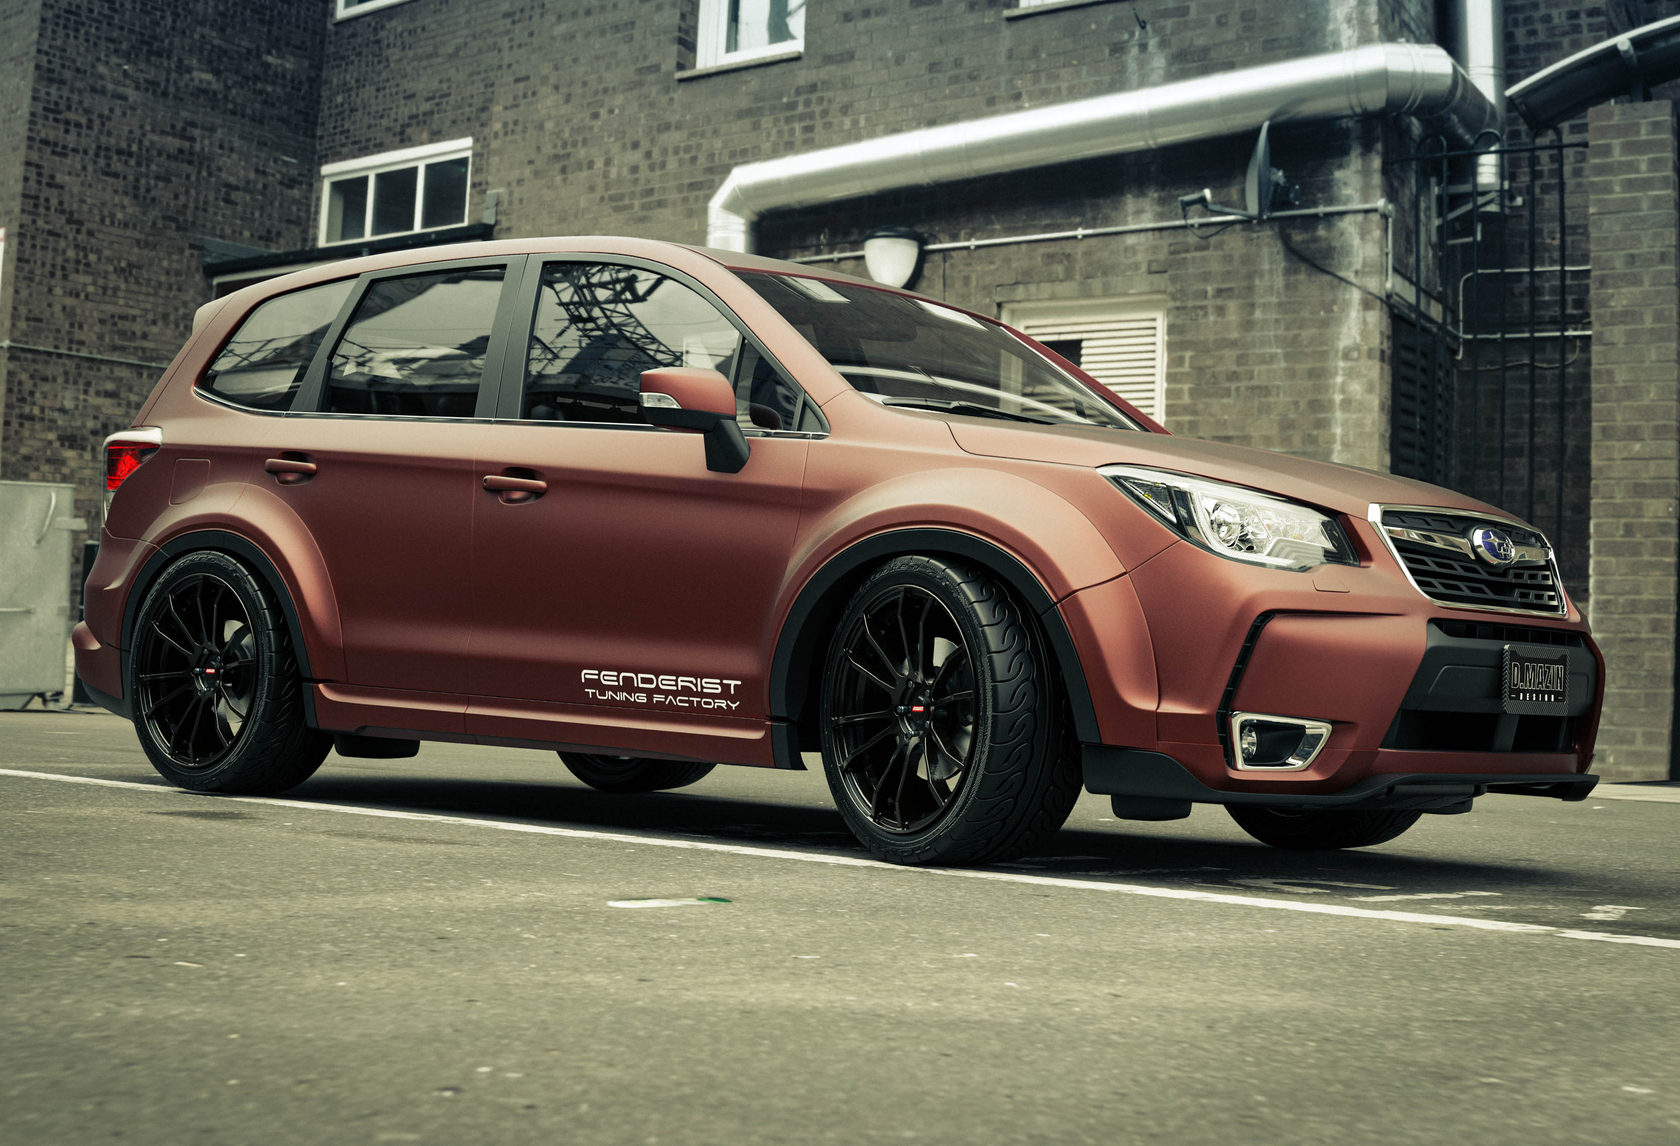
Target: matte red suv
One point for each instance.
(658, 507)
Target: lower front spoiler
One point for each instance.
(1155, 786)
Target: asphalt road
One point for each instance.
(471, 947)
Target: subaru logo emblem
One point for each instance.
(1493, 546)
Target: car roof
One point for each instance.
(680, 256)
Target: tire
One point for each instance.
(1303, 829)
(944, 735)
(628, 774)
(217, 696)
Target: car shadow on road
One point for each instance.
(1129, 851)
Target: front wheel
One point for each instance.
(1305, 829)
(216, 694)
(942, 731)
(629, 774)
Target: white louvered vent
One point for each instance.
(1120, 344)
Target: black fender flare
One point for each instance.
(798, 647)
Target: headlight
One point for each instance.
(1242, 524)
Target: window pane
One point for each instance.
(598, 326)
(445, 201)
(763, 23)
(393, 200)
(264, 362)
(1069, 348)
(346, 209)
(416, 346)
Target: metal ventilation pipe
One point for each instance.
(1402, 79)
(1477, 37)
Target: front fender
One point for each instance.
(1041, 546)
(1033, 524)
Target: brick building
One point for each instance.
(153, 154)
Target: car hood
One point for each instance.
(1344, 489)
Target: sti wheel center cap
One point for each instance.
(207, 670)
(915, 709)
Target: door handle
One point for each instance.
(515, 489)
(290, 470)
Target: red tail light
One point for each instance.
(122, 459)
(125, 452)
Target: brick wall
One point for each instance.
(151, 124)
(580, 114)
(18, 21)
(1635, 229)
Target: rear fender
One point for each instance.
(273, 542)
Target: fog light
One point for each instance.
(1276, 743)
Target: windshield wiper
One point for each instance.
(975, 408)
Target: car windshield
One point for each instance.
(905, 351)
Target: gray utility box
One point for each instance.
(36, 521)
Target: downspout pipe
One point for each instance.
(1402, 79)
(1477, 38)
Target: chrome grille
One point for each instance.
(1434, 548)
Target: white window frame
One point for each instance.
(370, 165)
(1032, 7)
(345, 10)
(1134, 361)
(713, 34)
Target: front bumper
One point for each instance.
(1410, 689)
(1153, 778)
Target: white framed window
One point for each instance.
(348, 8)
(741, 31)
(399, 192)
(1029, 7)
(1121, 342)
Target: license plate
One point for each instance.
(1536, 682)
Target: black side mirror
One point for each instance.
(699, 401)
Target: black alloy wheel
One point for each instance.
(626, 775)
(940, 735)
(196, 671)
(216, 695)
(901, 709)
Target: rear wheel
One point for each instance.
(626, 774)
(217, 696)
(942, 730)
(1304, 829)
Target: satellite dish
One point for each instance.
(1264, 186)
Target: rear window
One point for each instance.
(416, 346)
(263, 364)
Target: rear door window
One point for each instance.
(416, 346)
(263, 364)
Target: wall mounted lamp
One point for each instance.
(892, 255)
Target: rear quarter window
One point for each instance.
(263, 364)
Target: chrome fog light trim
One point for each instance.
(1249, 728)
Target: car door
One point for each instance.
(626, 585)
(380, 470)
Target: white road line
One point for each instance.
(1305, 906)
(1427, 895)
(1656, 794)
